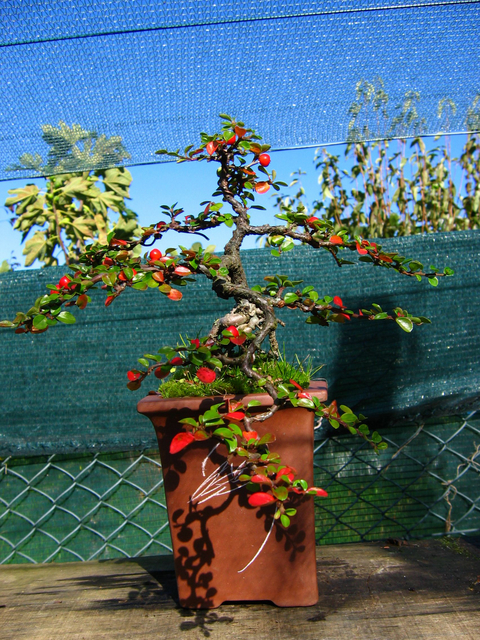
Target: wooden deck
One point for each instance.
(376, 591)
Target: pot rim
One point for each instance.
(154, 404)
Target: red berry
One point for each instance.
(155, 254)
(176, 361)
(264, 159)
(64, 282)
(133, 375)
(204, 374)
(107, 261)
(195, 342)
(233, 330)
(312, 221)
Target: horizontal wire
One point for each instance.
(411, 5)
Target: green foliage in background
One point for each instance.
(74, 207)
(390, 187)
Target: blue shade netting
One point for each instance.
(157, 73)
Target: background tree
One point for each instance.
(75, 206)
(390, 187)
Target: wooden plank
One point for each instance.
(375, 591)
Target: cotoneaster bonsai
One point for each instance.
(236, 438)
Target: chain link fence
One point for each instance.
(106, 505)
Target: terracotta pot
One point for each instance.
(225, 550)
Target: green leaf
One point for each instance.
(280, 492)
(190, 421)
(289, 298)
(285, 520)
(301, 483)
(223, 432)
(268, 437)
(433, 281)
(66, 317)
(141, 286)
(231, 444)
(215, 362)
(415, 266)
(287, 244)
(34, 248)
(109, 278)
(235, 428)
(327, 193)
(254, 403)
(405, 323)
(40, 322)
(306, 403)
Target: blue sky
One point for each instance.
(189, 184)
(167, 183)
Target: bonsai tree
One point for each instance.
(241, 352)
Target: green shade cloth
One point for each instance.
(64, 390)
